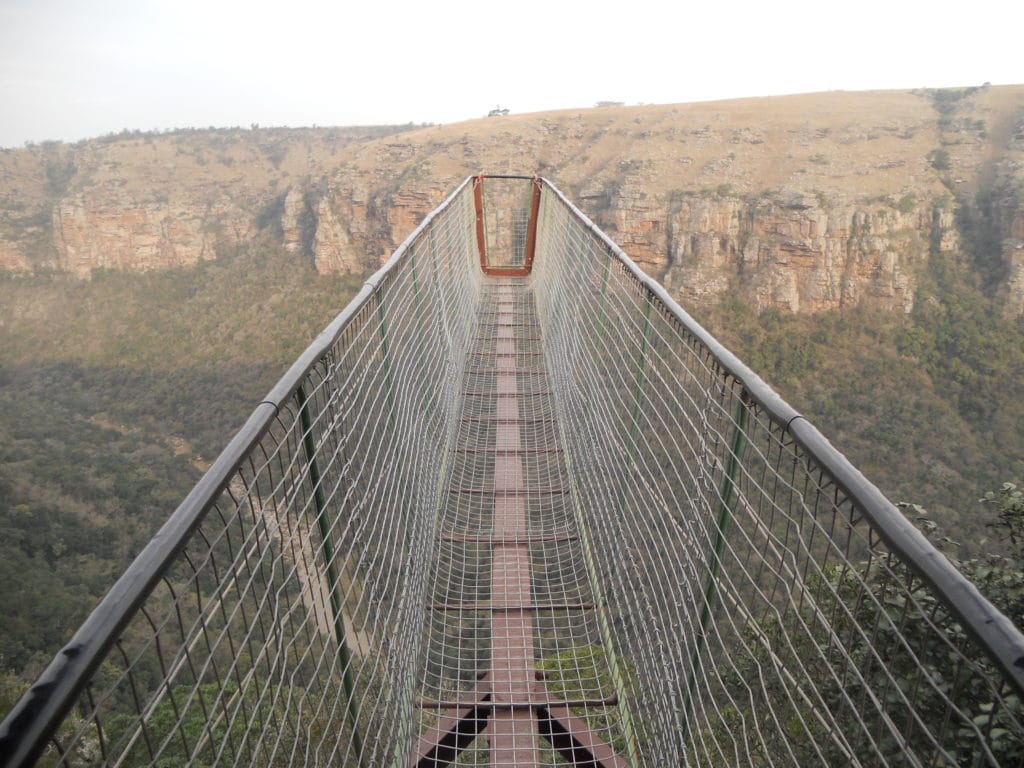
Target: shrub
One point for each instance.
(939, 158)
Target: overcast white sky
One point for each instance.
(74, 69)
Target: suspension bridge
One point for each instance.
(514, 507)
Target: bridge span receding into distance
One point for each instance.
(515, 507)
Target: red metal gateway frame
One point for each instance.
(531, 236)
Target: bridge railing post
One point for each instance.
(726, 503)
(327, 547)
(385, 351)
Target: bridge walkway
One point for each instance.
(514, 651)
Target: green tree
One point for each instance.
(939, 158)
(218, 725)
(874, 666)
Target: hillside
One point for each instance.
(805, 202)
(863, 251)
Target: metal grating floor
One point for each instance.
(515, 671)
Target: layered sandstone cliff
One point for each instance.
(802, 254)
(801, 203)
(117, 232)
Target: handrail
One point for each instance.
(1003, 641)
(31, 722)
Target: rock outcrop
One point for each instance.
(799, 253)
(12, 258)
(292, 219)
(120, 234)
(339, 220)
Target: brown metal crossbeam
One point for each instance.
(495, 607)
(539, 698)
(508, 325)
(499, 538)
(513, 451)
(505, 368)
(569, 735)
(504, 420)
(442, 742)
(576, 741)
(513, 491)
(492, 393)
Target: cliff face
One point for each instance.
(801, 254)
(801, 203)
(119, 233)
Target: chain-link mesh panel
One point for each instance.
(285, 629)
(762, 616)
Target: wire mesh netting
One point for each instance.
(513, 638)
(537, 520)
(759, 610)
(283, 627)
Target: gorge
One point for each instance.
(864, 252)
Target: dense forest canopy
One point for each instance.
(110, 415)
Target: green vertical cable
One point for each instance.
(641, 375)
(344, 654)
(599, 608)
(737, 444)
(604, 294)
(386, 354)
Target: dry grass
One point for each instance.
(866, 143)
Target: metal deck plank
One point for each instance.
(512, 732)
(506, 504)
